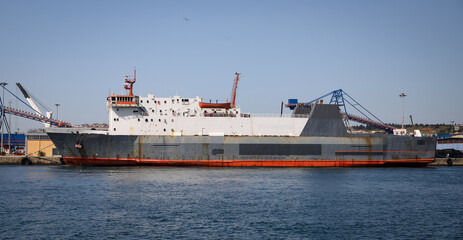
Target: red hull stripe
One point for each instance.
(241, 163)
(392, 151)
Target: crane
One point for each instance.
(226, 105)
(235, 86)
(36, 115)
(48, 113)
(341, 98)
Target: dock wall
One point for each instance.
(30, 160)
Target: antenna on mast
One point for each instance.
(129, 85)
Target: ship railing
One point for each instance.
(266, 115)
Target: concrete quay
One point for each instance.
(30, 160)
(442, 162)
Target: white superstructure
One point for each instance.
(151, 115)
(177, 116)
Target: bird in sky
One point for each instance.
(186, 19)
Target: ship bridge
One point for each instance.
(123, 101)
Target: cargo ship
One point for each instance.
(178, 131)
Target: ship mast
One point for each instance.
(235, 85)
(129, 85)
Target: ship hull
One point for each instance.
(244, 151)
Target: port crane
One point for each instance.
(35, 114)
(341, 98)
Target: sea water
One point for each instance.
(65, 202)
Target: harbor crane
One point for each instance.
(35, 114)
(48, 113)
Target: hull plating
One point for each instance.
(243, 151)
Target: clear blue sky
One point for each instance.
(73, 53)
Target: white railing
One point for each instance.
(267, 115)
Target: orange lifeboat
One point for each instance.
(214, 105)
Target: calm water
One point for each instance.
(62, 202)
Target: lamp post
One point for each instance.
(57, 105)
(3, 114)
(9, 132)
(402, 95)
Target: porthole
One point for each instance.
(114, 129)
(139, 119)
(146, 120)
(164, 129)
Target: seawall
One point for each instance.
(446, 162)
(23, 160)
